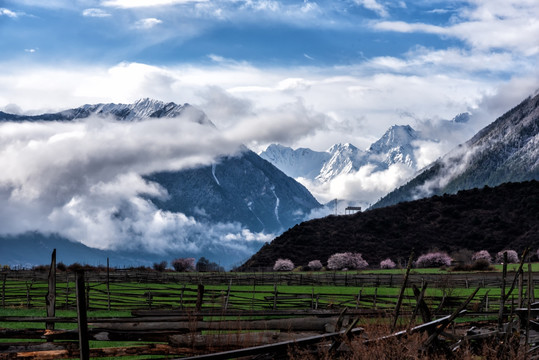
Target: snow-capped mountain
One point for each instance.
(297, 163)
(505, 151)
(395, 146)
(242, 191)
(345, 159)
(141, 109)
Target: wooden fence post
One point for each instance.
(67, 290)
(82, 319)
(401, 294)
(108, 285)
(4, 276)
(200, 297)
(228, 294)
(181, 297)
(531, 288)
(274, 296)
(502, 294)
(50, 298)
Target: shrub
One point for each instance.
(315, 265)
(41, 268)
(61, 266)
(481, 265)
(512, 256)
(183, 264)
(347, 260)
(283, 265)
(482, 255)
(433, 259)
(387, 264)
(160, 267)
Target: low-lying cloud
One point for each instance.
(85, 181)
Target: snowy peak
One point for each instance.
(345, 159)
(297, 163)
(395, 146)
(395, 136)
(139, 110)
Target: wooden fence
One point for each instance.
(270, 291)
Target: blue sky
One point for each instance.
(362, 65)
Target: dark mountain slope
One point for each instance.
(491, 218)
(246, 188)
(505, 151)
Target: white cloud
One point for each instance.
(360, 188)
(8, 13)
(147, 23)
(374, 6)
(84, 181)
(485, 25)
(30, 50)
(145, 3)
(93, 12)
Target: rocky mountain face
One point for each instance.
(493, 219)
(506, 150)
(245, 189)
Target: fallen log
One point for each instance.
(152, 349)
(234, 340)
(281, 347)
(291, 324)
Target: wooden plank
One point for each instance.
(152, 349)
(291, 324)
(281, 347)
(234, 340)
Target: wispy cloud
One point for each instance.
(374, 6)
(8, 13)
(145, 3)
(147, 23)
(485, 25)
(94, 12)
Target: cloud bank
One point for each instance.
(85, 181)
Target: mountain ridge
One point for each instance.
(504, 217)
(505, 150)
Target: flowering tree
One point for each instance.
(433, 259)
(183, 264)
(482, 255)
(387, 264)
(315, 265)
(283, 265)
(347, 260)
(512, 256)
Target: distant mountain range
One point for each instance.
(506, 150)
(504, 154)
(395, 146)
(243, 189)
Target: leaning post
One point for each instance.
(82, 318)
(50, 299)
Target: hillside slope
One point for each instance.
(506, 150)
(491, 218)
